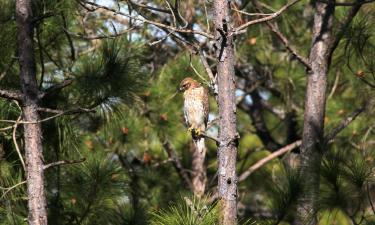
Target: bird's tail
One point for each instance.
(200, 144)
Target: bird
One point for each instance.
(196, 109)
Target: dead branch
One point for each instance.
(63, 162)
(95, 37)
(344, 123)
(93, 6)
(241, 29)
(11, 95)
(10, 188)
(273, 27)
(265, 160)
(177, 164)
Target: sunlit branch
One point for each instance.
(242, 29)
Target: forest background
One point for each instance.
(95, 85)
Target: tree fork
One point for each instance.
(228, 136)
(32, 131)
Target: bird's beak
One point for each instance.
(180, 89)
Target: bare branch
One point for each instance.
(109, 36)
(342, 28)
(242, 28)
(287, 45)
(273, 27)
(177, 164)
(210, 137)
(16, 144)
(63, 162)
(70, 41)
(56, 88)
(140, 5)
(344, 123)
(160, 25)
(265, 160)
(57, 114)
(207, 66)
(11, 95)
(10, 188)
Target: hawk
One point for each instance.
(196, 109)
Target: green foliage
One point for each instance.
(189, 211)
(128, 176)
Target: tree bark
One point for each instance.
(228, 136)
(32, 131)
(315, 101)
(198, 168)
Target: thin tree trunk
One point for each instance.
(228, 137)
(315, 101)
(32, 131)
(198, 168)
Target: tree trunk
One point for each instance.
(32, 131)
(198, 168)
(228, 137)
(315, 101)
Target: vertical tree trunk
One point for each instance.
(32, 131)
(198, 168)
(315, 101)
(228, 137)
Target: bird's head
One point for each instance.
(188, 83)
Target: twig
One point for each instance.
(11, 188)
(58, 113)
(196, 71)
(210, 137)
(70, 41)
(241, 29)
(188, 31)
(273, 27)
(12, 95)
(140, 5)
(41, 58)
(63, 162)
(265, 160)
(177, 164)
(205, 12)
(252, 14)
(212, 122)
(162, 162)
(56, 87)
(206, 66)
(342, 29)
(335, 84)
(344, 123)
(16, 144)
(110, 36)
(6, 128)
(329, 137)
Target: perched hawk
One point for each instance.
(196, 109)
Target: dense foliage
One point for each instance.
(131, 133)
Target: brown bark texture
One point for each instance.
(228, 137)
(32, 131)
(198, 168)
(315, 101)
